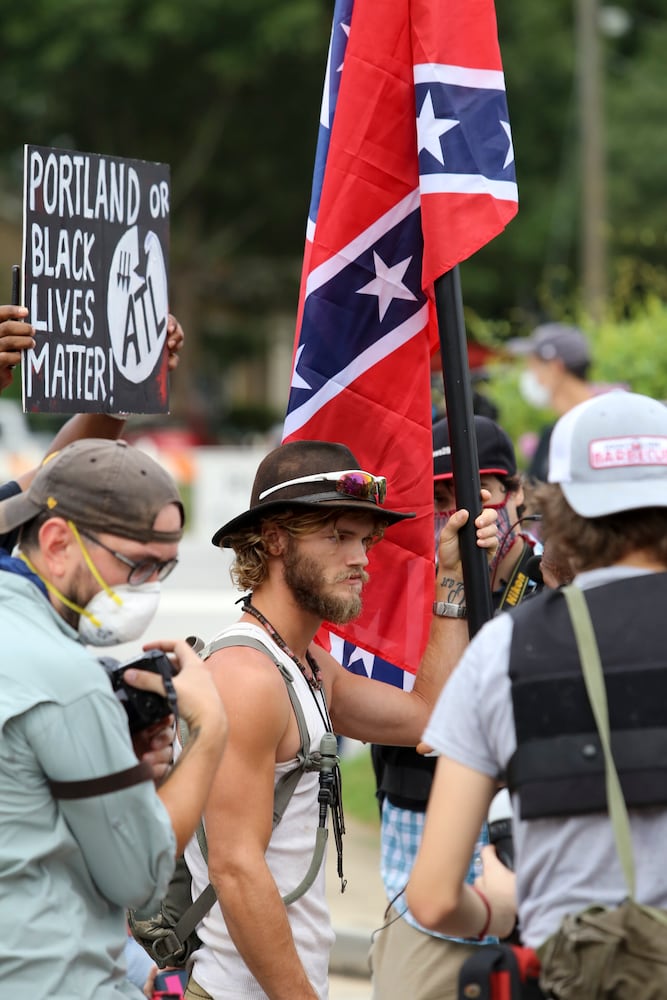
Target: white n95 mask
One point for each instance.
(113, 615)
(533, 391)
(120, 614)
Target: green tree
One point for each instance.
(532, 271)
(225, 91)
(629, 352)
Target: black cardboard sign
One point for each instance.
(95, 266)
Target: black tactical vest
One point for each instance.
(558, 767)
(405, 776)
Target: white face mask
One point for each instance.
(121, 615)
(533, 391)
(114, 614)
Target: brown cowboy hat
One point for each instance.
(307, 474)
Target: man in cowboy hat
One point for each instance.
(301, 555)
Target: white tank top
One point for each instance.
(218, 967)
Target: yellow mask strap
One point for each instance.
(91, 565)
(61, 597)
(93, 569)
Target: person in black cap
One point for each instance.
(301, 552)
(499, 475)
(407, 959)
(555, 377)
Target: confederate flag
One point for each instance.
(414, 172)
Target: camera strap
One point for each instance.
(519, 581)
(171, 694)
(89, 787)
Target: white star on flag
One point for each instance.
(388, 283)
(510, 152)
(346, 29)
(297, 381)
(431, 129)
(325, 110)
(366, 658)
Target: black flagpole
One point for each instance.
(465, 464)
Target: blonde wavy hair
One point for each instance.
(250, 566)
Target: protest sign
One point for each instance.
(95, 261)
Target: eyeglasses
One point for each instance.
(350, 483)
(141, 571)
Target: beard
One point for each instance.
(80, 592)
(305, 578)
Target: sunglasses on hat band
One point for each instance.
(351, 483)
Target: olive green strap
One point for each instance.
(184, 733)
(286, 784)
(321, 836)
(591, 666)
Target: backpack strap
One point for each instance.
(195, 913)
(184, 733)
(284, 788)
(287, 783)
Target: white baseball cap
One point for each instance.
(609, 454)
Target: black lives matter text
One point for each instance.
(100, 326)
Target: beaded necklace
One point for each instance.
(314, 680)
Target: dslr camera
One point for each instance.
(143, 707)
(500, 827)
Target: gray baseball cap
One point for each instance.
(555, 340)
(609, 454)
(101, 485)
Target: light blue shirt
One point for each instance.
(402, 831)
(68, 868)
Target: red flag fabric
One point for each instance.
(414, 172)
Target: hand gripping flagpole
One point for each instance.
(465, 462)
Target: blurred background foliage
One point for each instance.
(228, 92)
(630, 352)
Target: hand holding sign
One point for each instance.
(175, 339)
(16, 336)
